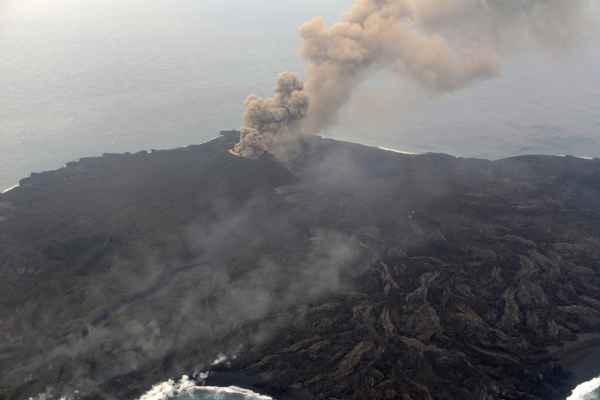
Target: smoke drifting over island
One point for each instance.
(441, 45)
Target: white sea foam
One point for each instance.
(586, 390)
(188, 388)
(49, 395)
(580, 157)
(396, 151)
(9, 189)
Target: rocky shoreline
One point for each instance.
(581, 358)
(348, 272)
(572, 352)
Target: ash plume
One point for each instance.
(441, 45)
(271, 120)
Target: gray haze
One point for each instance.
(85, 77)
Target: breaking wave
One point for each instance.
(188, 389)
(589, 390)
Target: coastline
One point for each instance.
(9, 189)
(235, 135)
(576, 357)
(408, 153)
(137, 184)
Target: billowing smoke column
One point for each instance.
(442, 45)
(270, 121)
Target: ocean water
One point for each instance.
(585, 369)
(186, 389)
(80, 78)
(589, 390)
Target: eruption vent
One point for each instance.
(442, 45)
(269, 121)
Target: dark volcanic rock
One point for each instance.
(347, 273)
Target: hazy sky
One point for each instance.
(82, 77)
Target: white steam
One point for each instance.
(221, 358)
(442, 45)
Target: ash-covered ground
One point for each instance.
(347, 273)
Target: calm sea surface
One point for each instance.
(83, 77)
